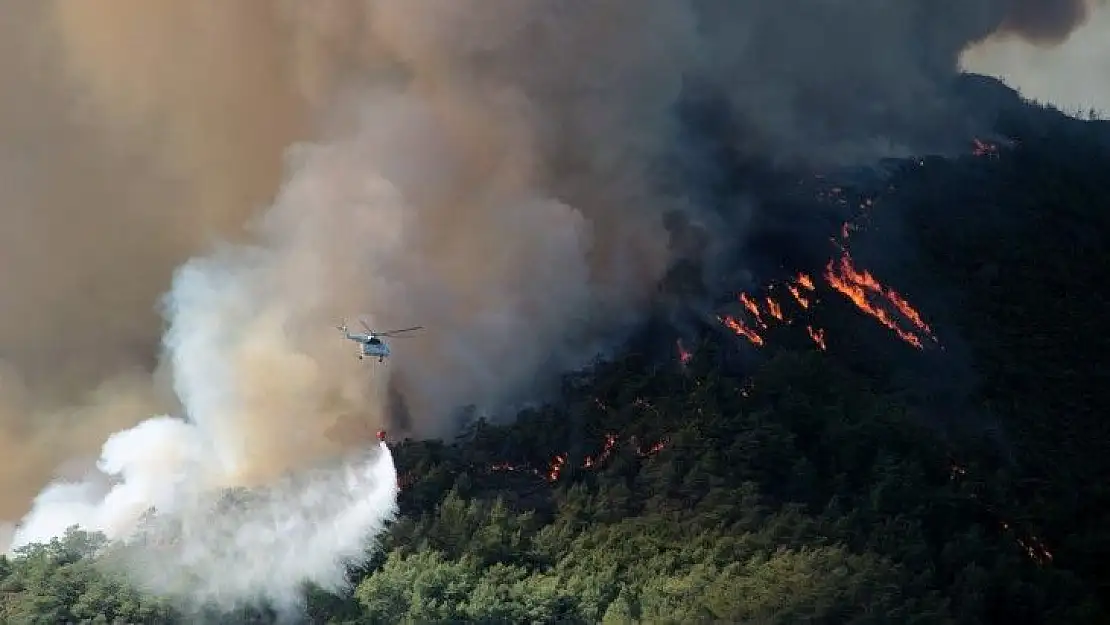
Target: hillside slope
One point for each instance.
(831, 471)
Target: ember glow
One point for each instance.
(606, 450)
(818, 336)
(983, 148)
(684, 355)
(554, 469)
(1032, 546)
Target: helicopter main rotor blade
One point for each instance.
(366, 326)
(394, 332)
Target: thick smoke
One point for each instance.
(489, 169)
(126, 148)
(1045, 21)
(265, 543)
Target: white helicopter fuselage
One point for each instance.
(377, 348)
(370, 345)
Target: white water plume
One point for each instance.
(254, 490)
(264, 543)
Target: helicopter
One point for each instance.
(371, 342)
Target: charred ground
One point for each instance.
(768, 447)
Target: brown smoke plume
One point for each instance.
(134, 132)
(485, 168)
(1045, 22)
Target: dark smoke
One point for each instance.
(498, 170)
(1045, 22)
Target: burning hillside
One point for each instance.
(503, 172)
(795, 301)
(881, 303)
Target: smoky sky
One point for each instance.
(520, 140)
(1045, 21)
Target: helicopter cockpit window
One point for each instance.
(375, 341)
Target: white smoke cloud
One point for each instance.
(263, 379)
(265, 543)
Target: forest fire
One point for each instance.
(818, 336)
(856, 285)
(1033, 547)
(753, 308)
(774, 308)
(558, 463)
(798, 297)
(606, 449)
(860, 287)
(739, 328)
(556, 467)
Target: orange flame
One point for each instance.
(798, 297)
(774, 308)
(908, 311)
(743, 330)
(753, 308)
(806, 281)
(855, 284)
(559, 461)
(606, 450)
